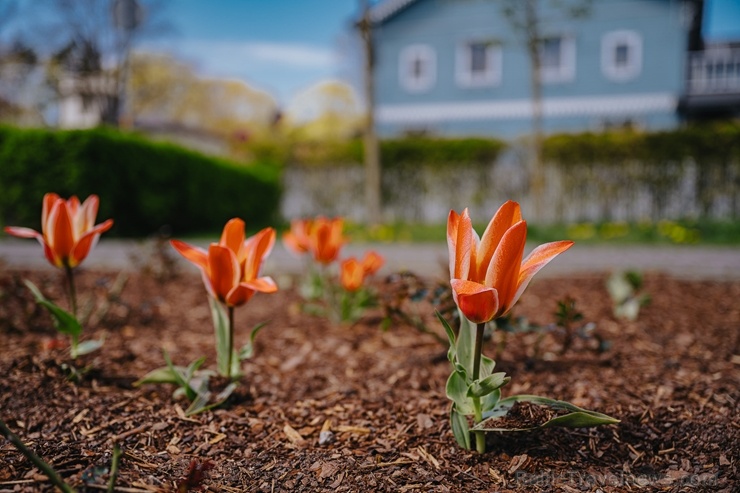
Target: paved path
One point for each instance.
(710, 263)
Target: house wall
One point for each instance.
(590, 100)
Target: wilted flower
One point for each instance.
(487, 274)
(68, 230)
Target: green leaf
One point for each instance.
(489, 401)
(486, 366)
(452, 352)
(183, 377)
(466, 344)
(89, 346)
(166, 374)
(576, 418)
(460, 428)
(220, 317)
(64, 321)
(200, 404)
(247, 351)
(457, 390)
(485, 386)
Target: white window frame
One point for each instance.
(465, 77)
(609, 43)
(409, 55)
(566, 72)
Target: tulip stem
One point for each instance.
(480, 436)
(71, 289)
(231, 341)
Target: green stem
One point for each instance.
(114, 468)
(231, 341)
(480, 436)
(71, 289)
(35, 459)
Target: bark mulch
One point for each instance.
(671, 377)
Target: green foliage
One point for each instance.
(142, 185)
(624, 290)
(414, 151)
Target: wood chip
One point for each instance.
(293, 436)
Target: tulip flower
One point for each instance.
(231, 267)
(352, 274)
(372, 262)
(231, 274)
(297, 239)
(488, 275)
(68, 230)
(326, 239)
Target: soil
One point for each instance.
(337, 407)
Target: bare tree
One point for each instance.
(371, 148)
(526, 18)
(91, 41)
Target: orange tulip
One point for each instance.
(352, 274)
(326, 239)
(68, 230)
(231, 267)
(298, 239)
(372, 262)
(488, 275)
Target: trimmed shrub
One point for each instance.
(143, 186)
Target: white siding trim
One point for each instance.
(627, 104)
(609, 68)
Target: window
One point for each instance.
(478, 64)
(417, 68)
(557, 59)
(621, 55)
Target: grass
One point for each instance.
(644, 233)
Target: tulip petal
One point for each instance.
(460, 241)
(536, 260)
(223, 270)
(262, 284)
(503, 271)
(87, 242)
(196, 255)
(244, 291)
(232, 237)
(506, 216)
(257, 248)
(48, 203)
(85, 218)
(477, 302)
(60, 237)
(24, 233)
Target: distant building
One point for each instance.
(457, 67)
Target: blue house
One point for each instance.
(459, 67)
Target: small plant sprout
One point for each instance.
(68, 234)
(624, 289)
(488, 275)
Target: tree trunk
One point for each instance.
(372, 154)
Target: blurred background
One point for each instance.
(608, 118)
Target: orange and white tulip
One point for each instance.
(372, 262)
(351, 274)
(326, 239)
(488, 274)
(231, 268)
(297, 240)
(68, 229)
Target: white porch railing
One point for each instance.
(714, 71)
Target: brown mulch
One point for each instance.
(671, 377)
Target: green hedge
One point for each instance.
(405, 151)
(707, 142)
(142, 185)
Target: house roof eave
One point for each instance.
(386, 9)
